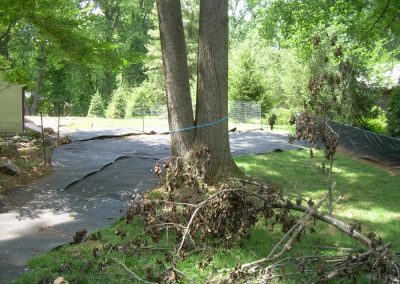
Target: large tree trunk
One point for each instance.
(179, 102)
(212, 88)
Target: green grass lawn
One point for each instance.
(364, 193)
(282, 128)
(101, 123)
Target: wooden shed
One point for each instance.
(11, 106)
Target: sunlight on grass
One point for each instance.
(101, 123)
(363, 193)
(377, 215)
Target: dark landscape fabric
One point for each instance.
(369, 145)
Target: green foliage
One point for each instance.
(246, 83)
(377, 124)
(282, 115)
(393, 113)
(285, 78)
(117, 106)
(343, 43)
(337, 84)
(363, 100)
(96, 108)
(239, 21)
(143, 99)
(273, 77)
(292, 23)
(87, 42)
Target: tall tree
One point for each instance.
(212, 86)
(363, 22)
(179, 102)
(210, 128)
(341, 42)
(43, 36)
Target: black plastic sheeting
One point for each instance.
(368, 145)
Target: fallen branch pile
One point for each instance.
(224, 216)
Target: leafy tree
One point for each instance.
(117, 106)
(293, 23)
(246, 83)
(335, 88)
(60, 23)
(212, 82)
(42, 37)
(96, 108)
(243, 19)
(277, 75)
(341, 41)
(393, 113)
(124, 25)
(143, 99)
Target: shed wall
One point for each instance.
(11, 107)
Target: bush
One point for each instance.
(274, 78)
(245, 82)
(117, 106)
(96, 108)
(246, 85)
(282, 115)
(377, 125)
(393, 113)
(142, 100)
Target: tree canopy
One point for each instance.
(66, 51)
(83, 44)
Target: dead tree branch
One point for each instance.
(229, 212)
(134, 275)
(296, 229)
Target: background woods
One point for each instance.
(286, 56)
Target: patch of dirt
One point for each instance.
(27, 157)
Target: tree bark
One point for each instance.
(179, 102)
(212, 88)
(211, 126)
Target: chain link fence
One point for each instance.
(245, 115)
(242, 116)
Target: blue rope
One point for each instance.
(200, 126)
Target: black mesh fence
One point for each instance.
(369, 145)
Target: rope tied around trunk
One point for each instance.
(199, 126)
